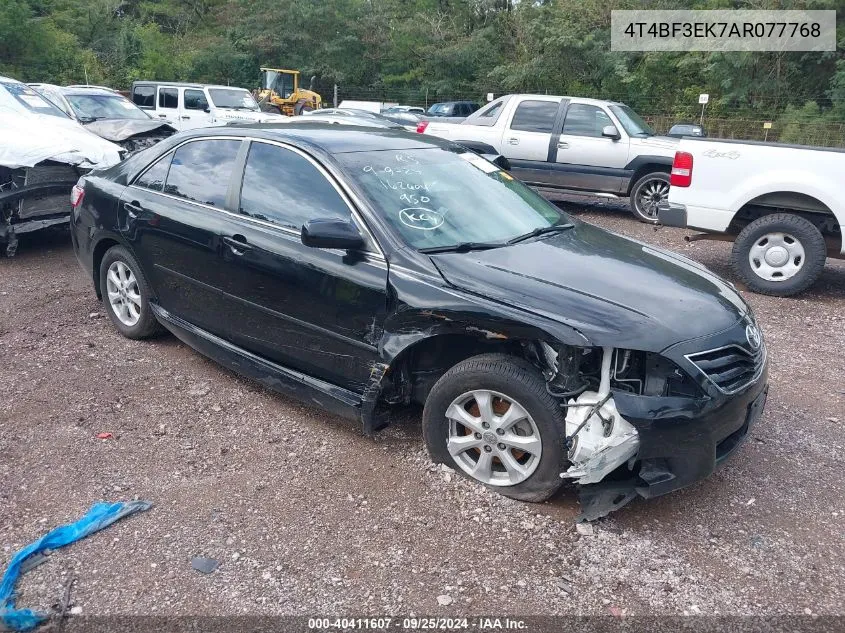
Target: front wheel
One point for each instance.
(779, 254)
(492, 420)
(647, 193)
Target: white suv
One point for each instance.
(186, 106)
(586, 146)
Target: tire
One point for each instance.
(646, 194)
(762, 245)
(518, 382)
(136, 321)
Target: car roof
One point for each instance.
(90, 90)
(182, 84)
(328, 138)
(585, 100)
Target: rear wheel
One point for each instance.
(647, 193)
(492, 420)
(779, 254)
(126, 294)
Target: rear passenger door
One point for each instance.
(314, 310)
(526, 140)
(172, 215)
(168, 106)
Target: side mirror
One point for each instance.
(206, 109)
(324, 233)
(610, 131)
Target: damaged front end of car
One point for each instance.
(133, 135)
(33, 198)
(641, 424)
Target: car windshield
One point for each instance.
(235, 98)
(92, 107)
(631, 121)
(17, 97)
(437, 198)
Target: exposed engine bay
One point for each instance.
(599, 439)
(33, 198)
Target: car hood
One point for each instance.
(30, 139)
(231, 114)
(121, 129)
(614, 290)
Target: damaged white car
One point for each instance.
(43, 154)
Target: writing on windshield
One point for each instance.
(435, 197)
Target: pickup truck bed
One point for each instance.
(783, 205)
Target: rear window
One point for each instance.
(535, 116)
(18, 96)
(144, 96)
(201, 170)
(168, 97)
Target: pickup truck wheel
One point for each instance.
(779, 254)
(646, 195)
(492, 420)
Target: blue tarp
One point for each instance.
(100, 515)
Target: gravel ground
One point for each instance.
(307, 516)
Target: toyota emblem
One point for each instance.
(752, 334)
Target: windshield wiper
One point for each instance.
(463, 247)
(543, 230)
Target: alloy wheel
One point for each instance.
(650, 195)
(123, 293)
(493, 438)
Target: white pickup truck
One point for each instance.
(585, 146)
(782, 205)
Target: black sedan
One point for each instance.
(361, 269)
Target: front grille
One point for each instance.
(730, 368)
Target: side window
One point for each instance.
(155, 176)
(168, 98)
(201, 170)
(492, 111)
(195, 100)
(144, 96)
(282, 187)
(535, 116)
(585, 120)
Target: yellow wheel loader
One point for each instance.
(280, 92)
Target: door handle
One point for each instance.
(133, 208)
(162, 116)
(186, 117)
(562, 145)
(513, 141)
(237, 244)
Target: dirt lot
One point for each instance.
(307, 516)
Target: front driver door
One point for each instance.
(584, 158)
(315, 310)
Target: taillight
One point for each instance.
(76, 196)
(681, 175)
(421, 126)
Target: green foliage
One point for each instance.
(412, 50)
